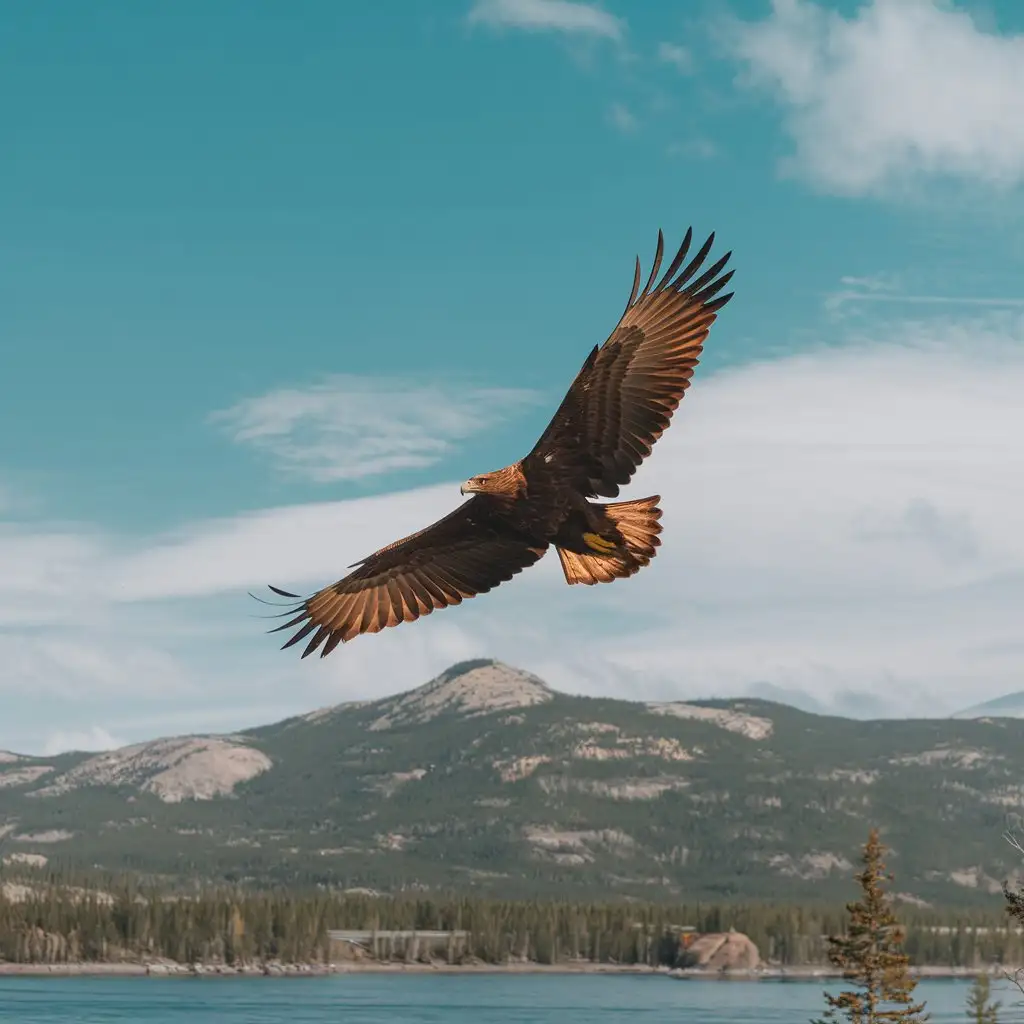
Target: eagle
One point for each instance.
(620, 403)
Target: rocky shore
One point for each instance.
(171, 968)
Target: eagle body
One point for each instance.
(620, 403)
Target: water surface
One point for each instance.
(451, 999)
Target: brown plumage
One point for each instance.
(620, 403)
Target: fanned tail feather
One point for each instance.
(637, 521)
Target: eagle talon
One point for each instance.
(597, 543)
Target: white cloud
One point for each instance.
(872, 283)
(676, 55)
(68, 663)
(843, 522)
(218, 556)
(349, 428)
(871, 290)
(547, 16)
(96, 738)
(45, 575)
(901, 90)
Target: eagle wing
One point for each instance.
(623, 398)
(468, 552)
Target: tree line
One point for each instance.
(53, 919)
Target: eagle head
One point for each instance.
(502, 483)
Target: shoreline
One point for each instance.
(273, 969)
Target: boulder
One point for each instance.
(721, 951)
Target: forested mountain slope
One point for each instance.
(487, 780)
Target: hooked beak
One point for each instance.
(468, 488)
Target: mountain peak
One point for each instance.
(471, 688)
(484, 778)
(1009, 705)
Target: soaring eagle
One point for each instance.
(620, 403)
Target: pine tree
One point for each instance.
(980, 1008)
(871, 955)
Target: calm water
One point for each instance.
(451, 999)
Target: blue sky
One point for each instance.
(272, 282)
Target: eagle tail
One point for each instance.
(637, 522)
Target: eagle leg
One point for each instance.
(598, 544)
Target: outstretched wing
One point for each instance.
(623, 398)
(467, 553)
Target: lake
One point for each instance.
(452, 999)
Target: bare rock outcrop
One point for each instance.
(753, 727)
(181, 768)
(721, 951)
(471, 688)
(23, 776)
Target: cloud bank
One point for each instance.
(901, 90)
(842, 524)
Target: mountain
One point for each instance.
(485, 779)
(1010, 705)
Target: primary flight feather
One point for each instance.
(620, 403)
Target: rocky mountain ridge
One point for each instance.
(487, 779)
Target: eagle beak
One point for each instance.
(468, 488)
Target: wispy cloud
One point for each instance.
(870, 283)
(900, 91)
(349, 428)
(678, 56)
(547, 16)
(844, 520)
(873, 291)
(622, 118)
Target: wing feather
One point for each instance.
(625, 394)
(470, 551)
